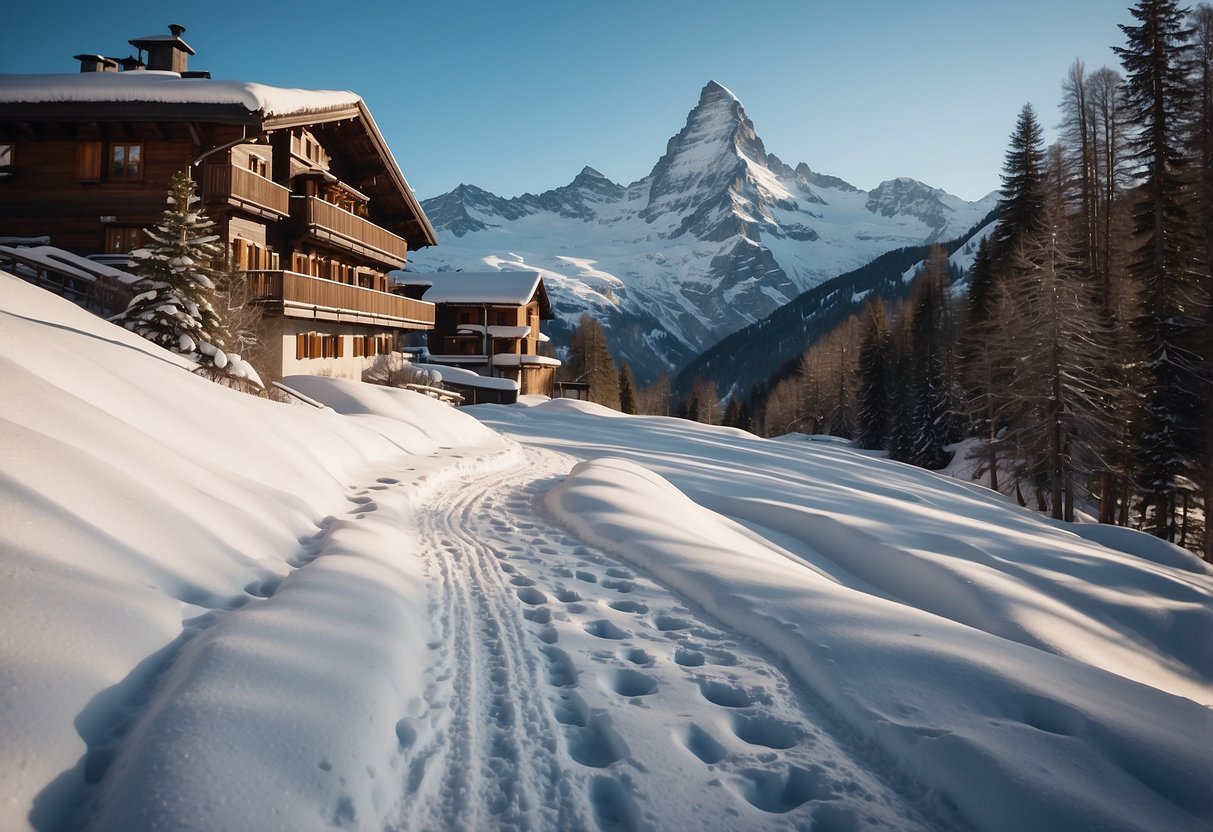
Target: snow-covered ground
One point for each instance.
(225, 613)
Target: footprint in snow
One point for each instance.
(628, 682)
(605, 629)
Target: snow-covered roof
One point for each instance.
(150, 86)
(509, 359)
(515, 288)
(467, 378)
(497, 331)
(65, 262)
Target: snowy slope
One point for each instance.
(717, 236)
(224, 613)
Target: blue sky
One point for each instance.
(518, 96)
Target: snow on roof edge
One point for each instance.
(168, 88)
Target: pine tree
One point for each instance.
(1202, 152)
(932, 414)
(901, 439)
(590, 361)
(1159, 98)
(839, 423)
(172, 305)
(875, 376)
(1078, 133)
(1056, 404)
(732, 413)
(981, 283)
(627, 390)
(1105, 99)
(1021, 201)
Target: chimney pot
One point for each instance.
(176, 29)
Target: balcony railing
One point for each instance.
(336, 226)
(228, 183)
(303, 296)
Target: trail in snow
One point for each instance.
(568, 691)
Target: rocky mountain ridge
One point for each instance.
(717, 236)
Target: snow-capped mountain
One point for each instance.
(717, 236)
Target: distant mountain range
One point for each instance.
(719, 235)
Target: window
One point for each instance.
(122, 240)
(126, 162)
(250, 255)
(6, 157)
(258, 165)
(310, 149)
(319, 345)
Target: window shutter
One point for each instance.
(300, 346)
(340, 345)
(88, 161)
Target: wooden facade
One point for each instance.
(498, 334)
(310, 199)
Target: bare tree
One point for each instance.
(1055, 406)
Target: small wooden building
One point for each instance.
(489, 322)
(305, 192)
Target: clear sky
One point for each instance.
(519, 96)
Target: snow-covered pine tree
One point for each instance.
(172, 305)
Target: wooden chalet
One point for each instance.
(302, 186)
(489, 322)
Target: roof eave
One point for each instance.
(430, 237)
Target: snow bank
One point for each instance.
(949, 548)
(143, 505)
(1016, 737)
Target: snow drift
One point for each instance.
(222, 612)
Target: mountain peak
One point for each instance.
(714, 89)
(708, 181)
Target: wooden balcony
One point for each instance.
(302, 296)
(324, 222)
(245, 189)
